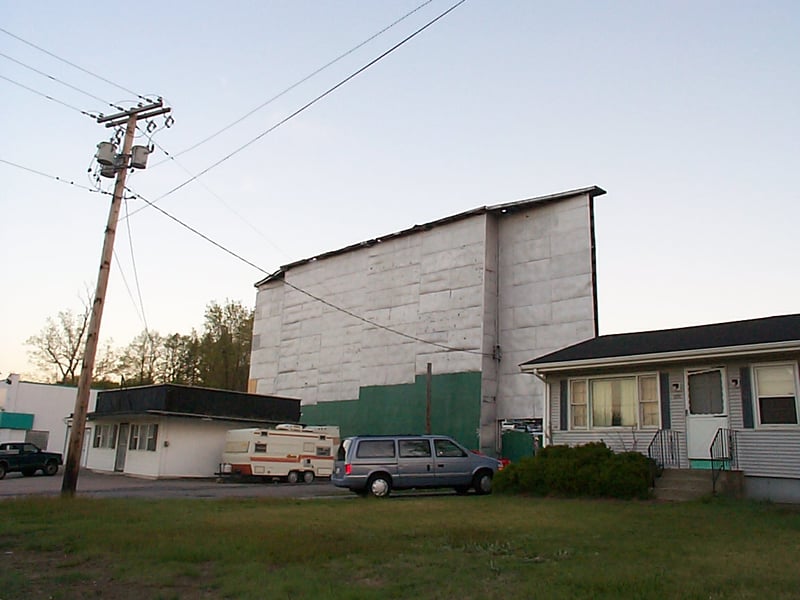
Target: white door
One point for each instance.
(706, 410)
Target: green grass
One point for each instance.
(433, 547)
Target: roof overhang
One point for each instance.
(167, 413)
(543, 369)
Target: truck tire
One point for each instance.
(308, 476)
(293, 477)
(50, 468)
(2, 470)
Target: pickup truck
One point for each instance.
(27, 458)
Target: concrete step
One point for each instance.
(681, 485)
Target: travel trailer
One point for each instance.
(290, 453)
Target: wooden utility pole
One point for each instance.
(75, 446)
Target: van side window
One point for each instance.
(375, 449)
(414, 448)
(448, 449)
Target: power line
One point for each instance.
(43, 95)
(136, 272)
(312, 102)
(69, 85)
(299, 82)
(71, 64)
(59, 179)
(301, 290)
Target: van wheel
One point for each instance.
(483, 482)
(379, 486)
(293, 477)
(51, 468)
(308, 476)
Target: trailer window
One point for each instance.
(323, 451)
(234, 446)
(260, 447)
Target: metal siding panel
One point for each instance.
(769, 453)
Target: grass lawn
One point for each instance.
(424, 547)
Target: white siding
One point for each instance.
(769, 453)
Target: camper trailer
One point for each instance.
(290, 453)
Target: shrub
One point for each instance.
(589, 470)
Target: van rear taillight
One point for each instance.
(348, 468)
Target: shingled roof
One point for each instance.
(779, 332)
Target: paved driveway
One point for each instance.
(115, 485)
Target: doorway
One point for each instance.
(706, 413)
(122, 447)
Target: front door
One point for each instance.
(706, 411)
(122, 447)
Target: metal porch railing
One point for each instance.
(665, 448)
(723, 454)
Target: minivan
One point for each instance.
(377, 464)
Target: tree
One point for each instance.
(179, 359)
(137, 363)
(60, 344)
(225, 346)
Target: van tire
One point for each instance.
(293, 477)
(482, 482)
(380, 485)
(308, 476)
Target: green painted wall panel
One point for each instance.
(455, 408)
(13, 420)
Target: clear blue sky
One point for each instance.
(687, 113)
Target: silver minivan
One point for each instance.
(377, 464)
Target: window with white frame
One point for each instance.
(105, 436)
(776, 393)
(143, 437)
(625, 401)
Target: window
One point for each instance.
(705, 393)
(578, 401)
(776, 394)
(414, 448)
(375, 449)
(143, 437)
(448, 449)
(105, 436)
(630, 401)
(260, 448)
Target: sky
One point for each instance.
(686, 112)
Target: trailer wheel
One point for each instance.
(293, 477)
(308, 476)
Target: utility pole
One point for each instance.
(119, 164)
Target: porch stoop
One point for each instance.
(681, 485)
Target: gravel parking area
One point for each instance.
(115, 485)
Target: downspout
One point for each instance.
(546, 433)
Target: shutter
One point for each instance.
(747, 398)
(666, 417)
(562, 417)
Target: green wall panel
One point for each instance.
(455, 408)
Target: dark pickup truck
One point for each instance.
(27, 458)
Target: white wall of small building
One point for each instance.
(186, 447)
(51, 406)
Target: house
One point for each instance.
(40, 413)
(723, 395)
(171, 430)
(355, 332)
